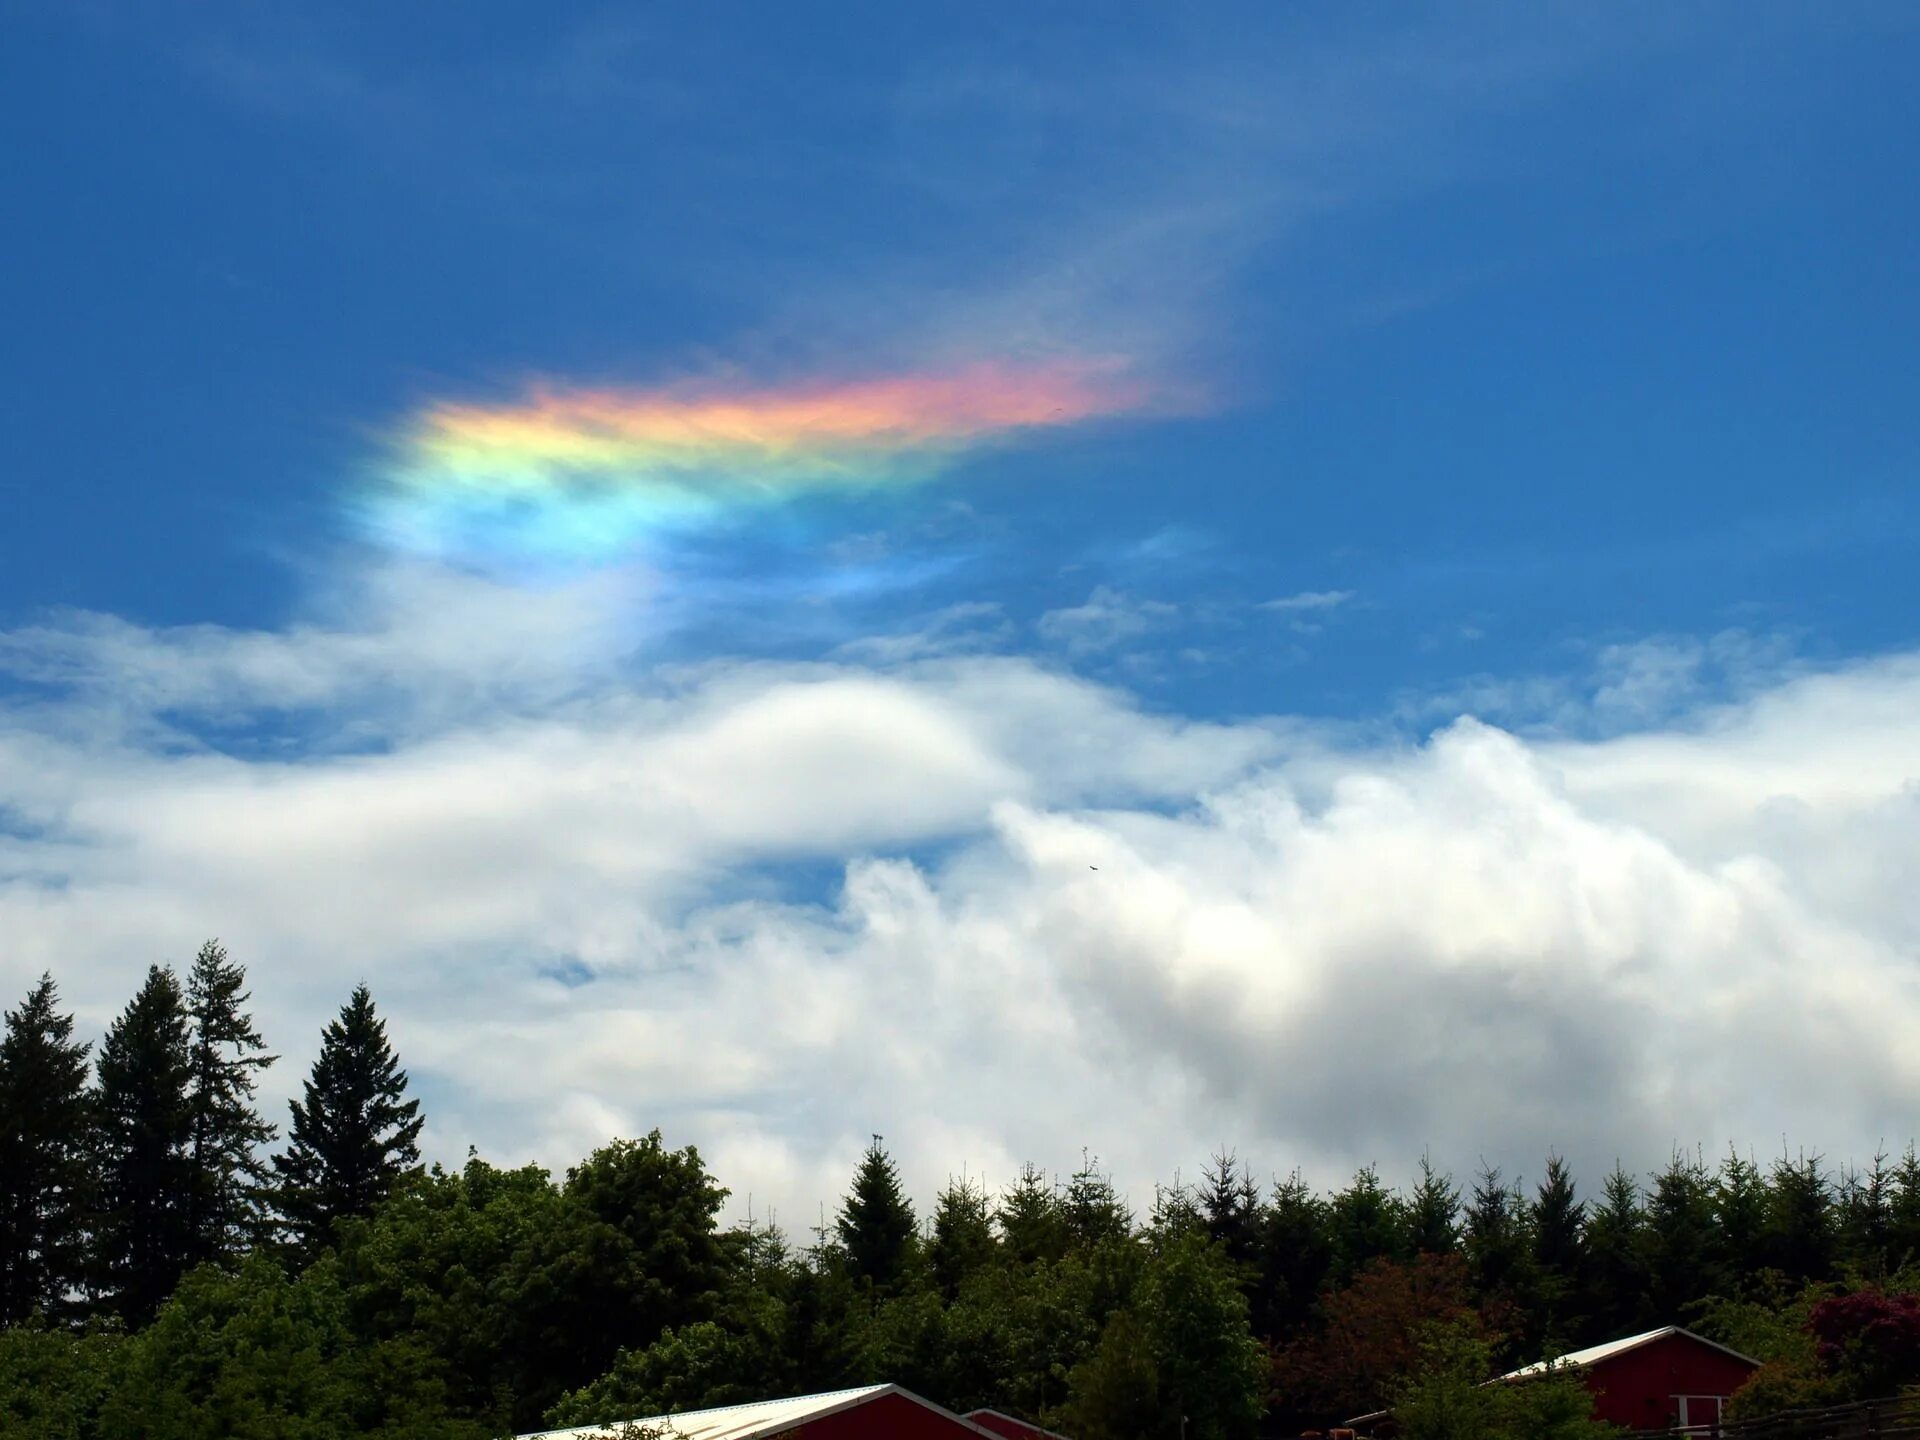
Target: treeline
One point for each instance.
(170, 1268)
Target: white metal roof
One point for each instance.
(1594, 1354)
(763, 1417)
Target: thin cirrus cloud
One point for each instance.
(568, 476)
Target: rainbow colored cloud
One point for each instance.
(586, 474)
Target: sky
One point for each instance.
(1036, 580)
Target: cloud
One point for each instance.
(1109, 618)
(599, 907)
(1308, 600)
(570, 476)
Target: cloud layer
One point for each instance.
(980, 905)
(578, 474)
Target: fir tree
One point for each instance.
(45, 1171)
(354, 1137)
(1092, 1208)
(1866, 1219)
(875, 1224)
(1799, 1231)
(1904, 1227)
(1295, 1254)
(1617, 1302)
(1029, 1218)
(1433, 1212)
(1680, 1237)
(146, 1130)
(962, 1243)
(1558, 1217)
(1740, 1216)
(228, 1173)
(1366, 1222)
(1230, 1204)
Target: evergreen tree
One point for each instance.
(1296, 1252)
(1433, 1212)
(1799, 1230)
(1740, 1217)
(1617, 1302)
(1555, 1222)
(962, 1243)
(1230, 1206)
(875, 1223)
(1093, 1210)
(1030, 1219)
(1904, 1227)
(45, 1171)
(143, 1244)
(1559, 1216)
(1365, 1223)
(1680, 1238)
(1866, 1219)
(354, 1137)
(227, 1055)
(1496, 1239)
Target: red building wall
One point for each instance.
(1636, 1389)
(891, 1417)
(1009, 1427)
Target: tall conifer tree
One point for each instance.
(45, 1173)
(146, 1129)
(876, 1220)
(228, 1054)
(354, 1136)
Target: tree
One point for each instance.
(962, 1243)
(1559, 1252)
(1230, 1205)
(1030, 1219)
(46, 1119)
(1365, 1223)
(1295, 1255)
(875, 1224)
(354, 1137)
(1866, 1219)
(227, 1056)
(1798, 1238)
(143, 1243)
(1680, 1237)
(1095, 1214)
(1446, 1398)
(1496, 1244)
(1740, 1217)
(1433, 1212)
(1372, 1335)
(1616, 1279)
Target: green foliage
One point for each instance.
(46, 1122)
(143, 1239)
(962, 1244)
(875, 1225)
(353, 1137)
(1444, 1397)
(1365, 1222)
(254, 1353)
(1433, 1212)
(226, 1055)
(54, 1381)
(1030, 1219)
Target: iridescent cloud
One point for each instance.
(572, 474)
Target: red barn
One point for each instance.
(874, 1412)
(1010, 1427)
(1665, 1379)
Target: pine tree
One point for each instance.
(962, 1243)
(1680, 1238)
(354, 1137)
(146, 1130)
(1740, 1217)
(228, 1174)
(1092, 1207)
(1296, 1251)
(1904, 1232)
(1866, 1218)
(875, 1224)
(1557, 1220)
(1799, 1231)
(1366, 1222)
(1230, 1204)
(1433, 1212)
(1617, 1302)
(46, 1119)
(1030, 1219)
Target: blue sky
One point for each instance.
(1553, 368)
